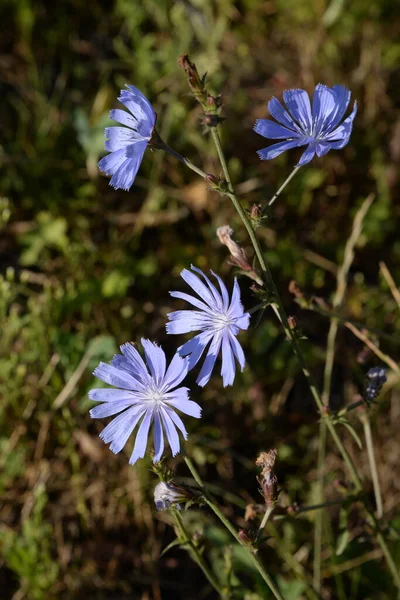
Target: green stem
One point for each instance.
(319, 519)
(264, 522)
(250, 551)
(372, 464)
(278, 193)
(195, 554)
(292, 336)
(184, 160)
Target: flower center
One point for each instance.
(155, 396)
(222, 320)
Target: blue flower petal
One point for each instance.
(142, 435)
(119, 429)
(198, 286)
(216, 295)
(110, 395)
(158, 438)
(324, 103)
(342, 95)
(191, 299)
(171, 433)
(228, 362)
(140, 107)
(307, 155)
(177, 421)
(277, 149)
(124, 176)
(111, 163)
(110, 408)
(243, 322)
(118, 138)
(299, 107)
(195, 347)
(114, 376)
(188, 407)
(209, 362)
(238, 351)
(123, 117)
(176, 372)
(183, 321)
(224, 291)
(137, 362)
(274, 131)
(322, 148)
(155, 357)
(282, 116)
(344, 130)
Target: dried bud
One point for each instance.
(238, 255)
(195, 82)
(266, 460)
(168, 494)
(374, 380)
(224, 234)
(267, 479)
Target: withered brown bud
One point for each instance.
(267, 479)
(191, 71)
(238, 255)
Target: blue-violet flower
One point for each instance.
(143, 396)
(127, 144)
(317, 126)
(218, 320)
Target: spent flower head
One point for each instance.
(316, 126)
(127, 144)
(145, 394)
(219, 320)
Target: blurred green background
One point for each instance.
(85, 268)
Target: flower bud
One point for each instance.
(168, 494)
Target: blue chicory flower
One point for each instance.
(218, 320)
(317, 127)
(143, 396)
(127, 144)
